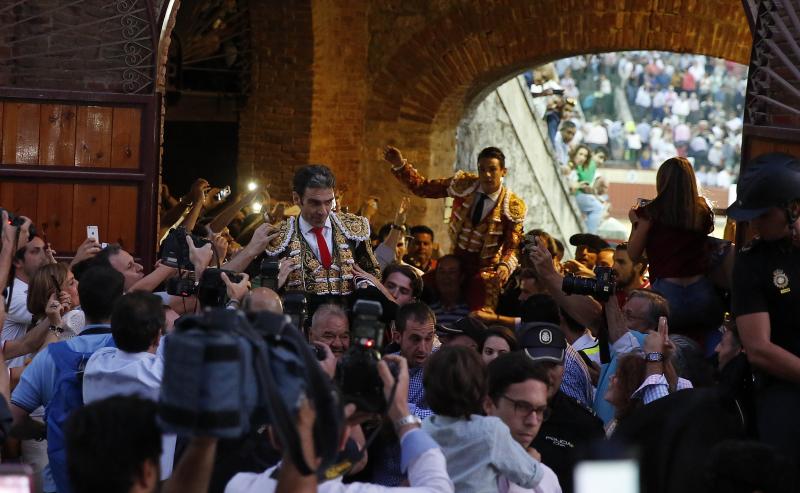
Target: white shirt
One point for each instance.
(311, 238)
(111, 371)
(17, 320)
(427, 474)
(548, 484)
(488, 203)
(586, 341)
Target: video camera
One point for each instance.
(18, 221)
(226, 374)
(175, 250)
(357, 371)
(601, 287)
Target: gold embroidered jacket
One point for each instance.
(350, 246)
(498, 235)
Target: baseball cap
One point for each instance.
(543, 341)
(593, 242)
(770, 180)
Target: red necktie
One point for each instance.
(324, 253)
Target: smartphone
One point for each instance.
(16, 478)
(223, 194)
(93, 232)
(642, 202)
(607, 476)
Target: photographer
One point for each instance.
(421, 457)
(584, 309)
(29, 254)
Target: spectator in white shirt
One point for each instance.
(27, 260)
(133, 367)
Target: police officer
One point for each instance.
(766, 294)
(571, 426)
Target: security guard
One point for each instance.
(766, 294)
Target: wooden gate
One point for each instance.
(79, 112)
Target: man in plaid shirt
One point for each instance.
(414, 333)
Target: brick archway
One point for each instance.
(424, 82)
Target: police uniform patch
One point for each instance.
(781, 281)
(545, 336)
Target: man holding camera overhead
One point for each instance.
(326, 248)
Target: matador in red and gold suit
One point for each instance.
(485, 224)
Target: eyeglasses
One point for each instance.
(524, 409)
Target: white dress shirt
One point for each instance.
(427, 473)
(488, 203)
(311, 238)
(17, 320)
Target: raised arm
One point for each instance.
(416, 183)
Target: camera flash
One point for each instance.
(252, 186)
(257, 207)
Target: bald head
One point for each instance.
(264, 300)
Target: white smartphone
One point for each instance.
(607, 476)
(92, 232)
(16, 478)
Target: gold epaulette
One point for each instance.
(280, 242)
(462, 184)
(353, 227)
(514, 207)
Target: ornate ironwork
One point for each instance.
(773, 92)
(81, 45)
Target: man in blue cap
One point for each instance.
(766, 294)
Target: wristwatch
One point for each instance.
(654, 357)
(408, 420)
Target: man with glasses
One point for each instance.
(330, 326)
(569, 425)
(517, 394)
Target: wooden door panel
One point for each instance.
(19, 198)
(57, 134)
(126, 138)
(122, 216)
(89, 208)
(54, 214)
(93, 139)
(21, 133)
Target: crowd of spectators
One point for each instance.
(640, 109)
(508, 395)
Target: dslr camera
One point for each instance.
(210, 290)
(601, 287)
(17, 221)
(357, 371)
(175, 250)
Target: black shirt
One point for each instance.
(570, 427)
(766, 278)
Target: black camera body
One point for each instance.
(601, 287)
(175, 250)
(268, 273)
(212, 290)
(357, 371)
(181, 286)
(17, 221)
(295, 306)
